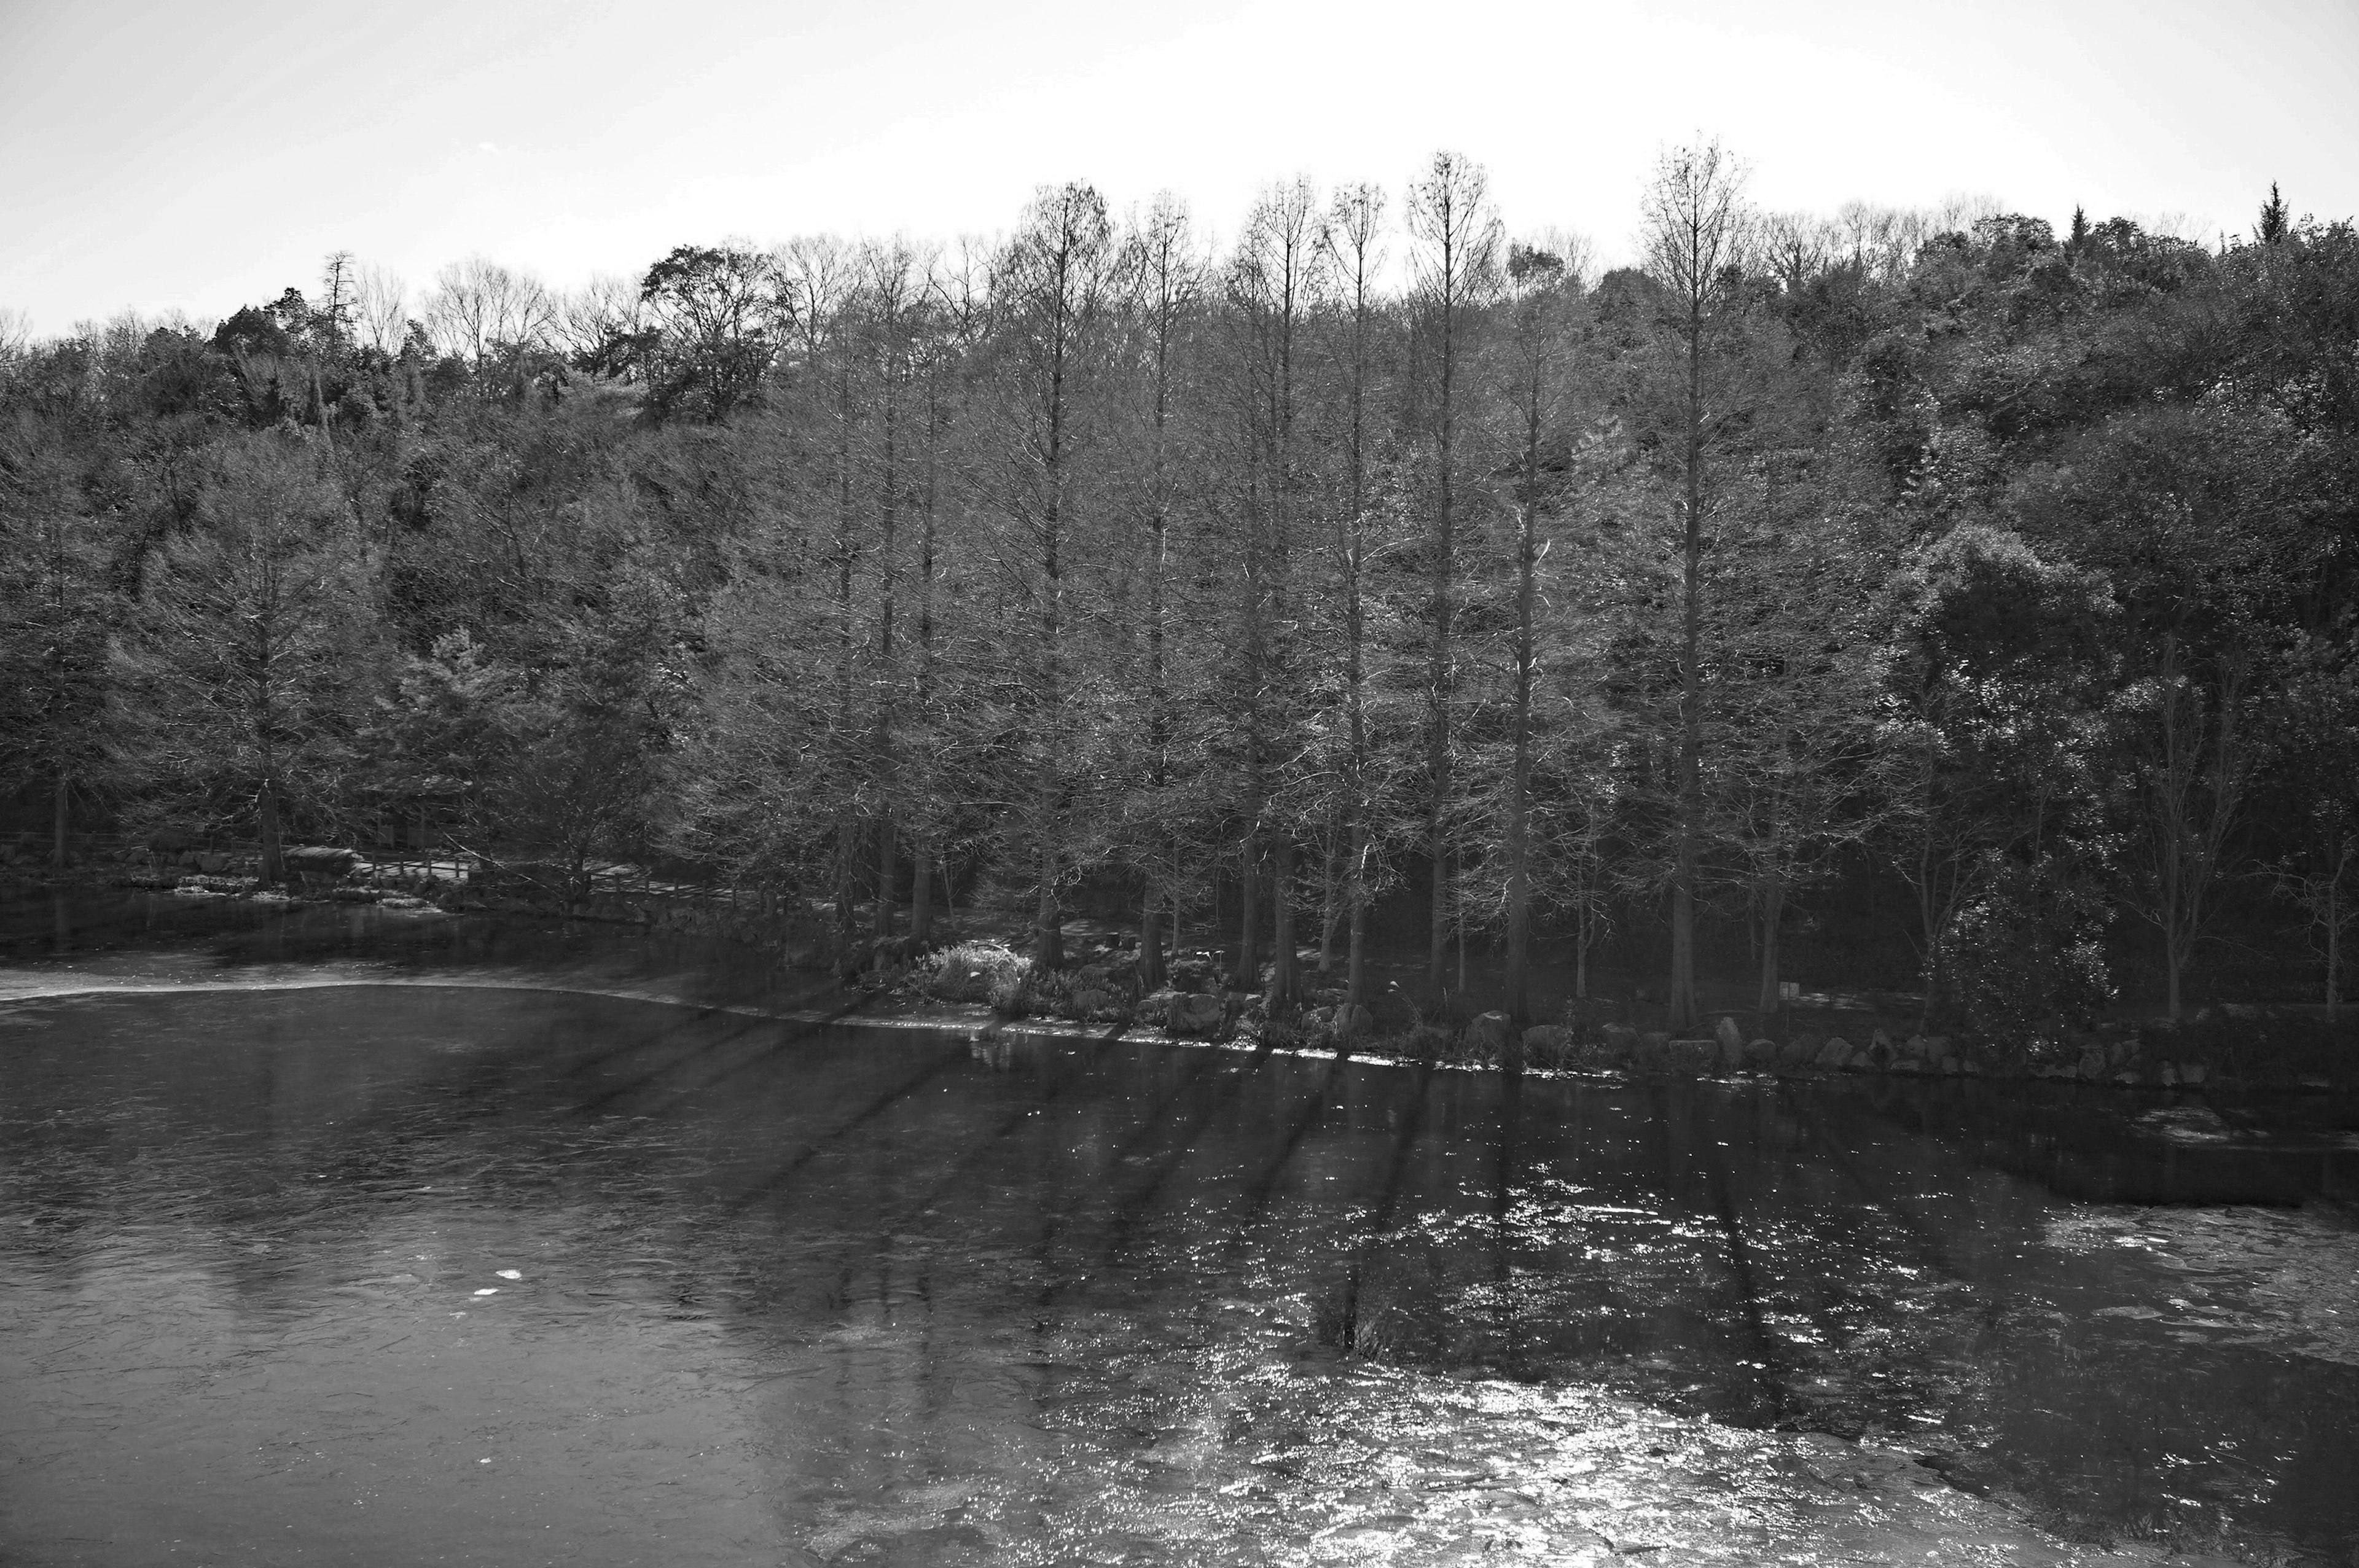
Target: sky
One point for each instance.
(199, 155)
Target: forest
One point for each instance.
(1378, 575)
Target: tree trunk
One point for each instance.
(274, 863)
(1285, 983)
(1048, 920)
(1581, 954)
(1150, 940)
(1355, 967)
(1331, 911)
(888, 876)
(58, 822)
(1773, 905)
(1248, 970)
(1682, 958)
(921, 895)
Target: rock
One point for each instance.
(1880, 1044)
(1835, 1053)
(1090, 1003)
(1350, 1020)
(1761, 1053)
(1488, 1035)
(1658, 1052)
(1156, 1006)
(2092, 1065)
(1798, 1053)
(212, 862)
(2192, 1075)
(319, 859)
(1692, 1058)
(1951, 1066)
(1195, 1013)
(2170, 1074)
(1728, 1055)
(1620, 1039)
(1731, 1038)
(1547, 1044)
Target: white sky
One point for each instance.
(196, 154)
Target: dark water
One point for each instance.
(762, 1294)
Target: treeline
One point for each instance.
(1379, 550)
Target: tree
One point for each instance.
(1051, 288)
(245, 667)
(480, 309)
(1354, 241)
(1696, 232)
(1455, 271)
(719, 311)
(56, 605)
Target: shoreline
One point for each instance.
(983, 1030)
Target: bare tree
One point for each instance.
(1695, 236)
(1456, 265)
(1052, 286)
(380, 309)
(1354, 242)
(479, 307)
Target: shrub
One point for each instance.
(973, 972)
(2027, 961)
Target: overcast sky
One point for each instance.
(200, 153)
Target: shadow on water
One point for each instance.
(877, 1295)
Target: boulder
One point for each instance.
(1880, 1044)
(1835, 1053)
(1547, 1044)
(2170, 1074)
(1798, 1053)
(1691, 1058)
(1658, 1052)
(1620, 1039)
(1488, 1034)
(2192, 1074)
(1350, 1020)
(1196, 1014)
(1090, 1003)
(1761, 1053)
(1731, 1038)
(212, 862)
(319, 859)
(1878, 1054)
(1156, 1006)
(2092, 1065)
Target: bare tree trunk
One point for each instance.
(1355, 970)
(1248, 971)
(57, 821)
(274, 862)
(1285, 983)
(1330, 908)
(1773, 907)
(1150, 939)
(887, 878)
(921, 895)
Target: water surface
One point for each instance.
(369, 1274)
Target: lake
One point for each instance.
(294, 1271)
